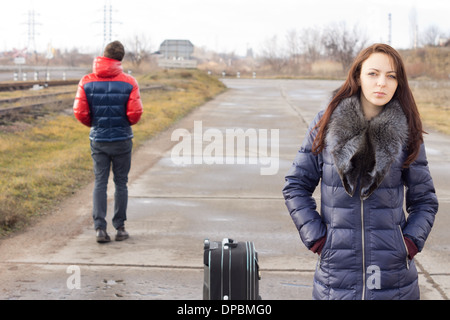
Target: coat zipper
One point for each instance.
(363, 252)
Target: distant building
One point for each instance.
(176, 54)
(178, 49)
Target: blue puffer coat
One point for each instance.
(363, 186)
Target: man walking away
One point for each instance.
(108, 101)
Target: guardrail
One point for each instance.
(23, 85)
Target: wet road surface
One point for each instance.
(181, 194)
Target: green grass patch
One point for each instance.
(43, 163)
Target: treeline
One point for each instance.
(301, 50)
(324, 52)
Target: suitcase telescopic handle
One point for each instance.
(226, 242)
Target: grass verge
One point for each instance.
(42, 163)
(433, 101)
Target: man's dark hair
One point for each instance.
(114, 50)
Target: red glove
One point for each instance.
(318, 246)
(412, 248)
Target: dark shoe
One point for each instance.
(121, 234)
(102, 236)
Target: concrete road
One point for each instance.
(180, 194)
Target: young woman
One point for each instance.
(367, 150)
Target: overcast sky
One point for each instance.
(220, 25)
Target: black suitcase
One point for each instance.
(231, 271)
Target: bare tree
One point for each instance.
(138, 49)
(273, 54)
(430, 35)
(311, 44)
(342, 43)
(294, 51)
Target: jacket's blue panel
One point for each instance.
(364, 252)
(108, 102)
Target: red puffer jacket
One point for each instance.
(108, 101)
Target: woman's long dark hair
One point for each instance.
(403, 94)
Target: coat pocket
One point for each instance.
(405, 248)
(326, 246)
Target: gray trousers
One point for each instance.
(105, 154)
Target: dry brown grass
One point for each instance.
(433, 101)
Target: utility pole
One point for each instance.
(108, 22)
(390, 29)
(31, 24)
(414, 27)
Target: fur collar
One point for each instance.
(363, 150)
